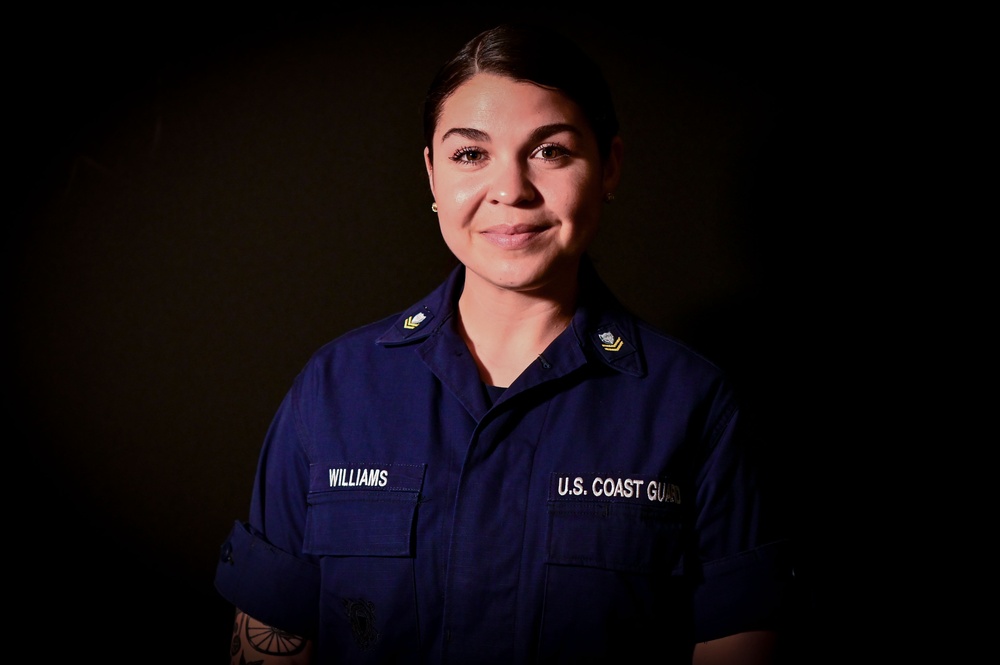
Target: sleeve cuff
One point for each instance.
(749, 591)
(268, 583)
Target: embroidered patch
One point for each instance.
(609, 342)
(361, 614)
(339, 476)
(632, 488)
(612, 345)
(412, 322)
(416, 321)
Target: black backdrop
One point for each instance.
(202, 201)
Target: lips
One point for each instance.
(513, 236)
(514, 229)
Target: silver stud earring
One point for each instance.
(434, 206)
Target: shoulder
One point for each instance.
(682, 375)
(355, 340)
(631, 344)
(666, 351)
(354, 349)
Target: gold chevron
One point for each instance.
(617, 346)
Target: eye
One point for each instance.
(550, 152)
(468, 155)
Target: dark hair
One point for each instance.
(535, 54)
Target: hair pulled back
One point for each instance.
(533, 54)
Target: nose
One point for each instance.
(511, 184)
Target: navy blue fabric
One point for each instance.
(267, 583)
(751, 590)
(600, 508)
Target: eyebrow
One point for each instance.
(467, 132)
(537, 134)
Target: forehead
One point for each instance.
(495, 103)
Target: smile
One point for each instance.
(513, 237)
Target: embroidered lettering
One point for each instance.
(663, 492)
(616, 487)
(577, 489)
(358, 477)
(627, 488)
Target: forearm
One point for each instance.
(750, 648)
(256, 642)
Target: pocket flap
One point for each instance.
(629, 523)
(362, 509)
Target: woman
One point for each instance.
(515, 469)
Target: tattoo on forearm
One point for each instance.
(250, 635)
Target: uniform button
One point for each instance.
(226, 554)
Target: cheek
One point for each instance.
(584, 208)
(459, 191)
(581, 198)
(464, 196)
(455, 238)
(451, 226)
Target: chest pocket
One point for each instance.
(614, 590)
(362, 509)
(629, 524)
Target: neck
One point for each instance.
(507, 330)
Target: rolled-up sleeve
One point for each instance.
(746, 566)
(749, 591)
(268, 583)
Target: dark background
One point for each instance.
(201, 201)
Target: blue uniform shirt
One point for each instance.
(603, 506)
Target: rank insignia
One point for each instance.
(415, 322)
(612, 345)
(412, 322)
(609, 342)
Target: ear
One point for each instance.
(613, 165)
(430, 169)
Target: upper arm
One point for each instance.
(256, 642)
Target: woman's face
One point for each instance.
(518, 182)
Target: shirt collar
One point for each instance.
(601, 326)
(426, 316)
